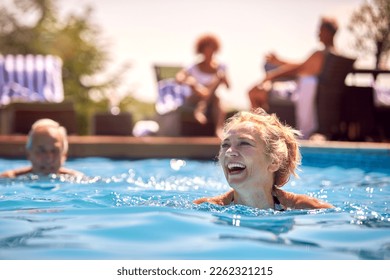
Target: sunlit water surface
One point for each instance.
(142, 209)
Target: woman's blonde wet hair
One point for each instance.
(281, 143)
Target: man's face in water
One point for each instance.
(46, 151)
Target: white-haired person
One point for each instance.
(258, 154)
(46, 149)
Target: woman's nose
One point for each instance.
(231, 151)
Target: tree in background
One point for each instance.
(35, 27)
(371, 26)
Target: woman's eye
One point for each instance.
(244, 143)
(224, 145)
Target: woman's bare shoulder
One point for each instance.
(299, 201)
(223, 199)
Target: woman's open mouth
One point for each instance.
(235, 168)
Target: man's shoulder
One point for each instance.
(15, 172)
(67, 171)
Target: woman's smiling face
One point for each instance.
(243, 158)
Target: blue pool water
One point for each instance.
(142, 209)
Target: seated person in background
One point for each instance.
(47, 148)
(204, 78)
(258, 154)
(306, 72)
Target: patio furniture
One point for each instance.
(114, 125)
(330, 94)
(173, 119)
(17, 117)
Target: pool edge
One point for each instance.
(12, 146)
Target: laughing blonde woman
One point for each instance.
(258, 154)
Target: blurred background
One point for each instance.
(109, 48)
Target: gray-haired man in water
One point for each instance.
(47, 149)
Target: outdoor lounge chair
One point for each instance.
(163, 72)
(30, 78)
(109, 124)
(17, 117)
(331, 93)
(329, 97)
(31, 88)
(173, 119)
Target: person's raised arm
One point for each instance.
(224, 80)
(273, 59)
(286, 70)
(311, 66)
(181, 76)
(222, 76)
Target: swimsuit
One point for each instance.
(277, 205)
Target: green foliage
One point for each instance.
(35, 27)
(371, 26)
(139, 110)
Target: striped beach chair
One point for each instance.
(30, 78)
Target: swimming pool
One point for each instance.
(142, 209)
